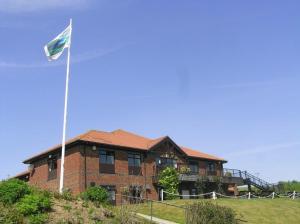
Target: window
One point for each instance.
(194, 167)
(211, 168)
(107, 157)
(107, 162)
(134, 159)
(111, 190)
(135, 193)
(169, 162)
(134, 164)
(52, 168)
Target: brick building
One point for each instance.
(120, 161)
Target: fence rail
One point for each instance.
(147, 206)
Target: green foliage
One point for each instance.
(34, 204)
(204, 212)
(12, 191)
(9, 215)
(202, 185)
(97, 195)
(168, 179)
(67, 207)
(219, 186)
(38, 219)
(228, 174)
(66, 195)
(184, 170)
(288, 186)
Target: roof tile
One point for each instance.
(125, 139)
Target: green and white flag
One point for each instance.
(56, 46)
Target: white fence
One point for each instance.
(215, 195)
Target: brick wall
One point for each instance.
(82, 168)
(39, 175)
(121, 179)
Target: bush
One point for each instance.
(38, 219)
(12, 191)
(65, 195)
(209, 213)
(34, 204)
(168, 179)
(95, 194)
(10, 215)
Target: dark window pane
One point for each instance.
(102, 159)
(137, 162)
(134, 159)
(107, 157)
(130, 161)
(110, 159)
(52, 169)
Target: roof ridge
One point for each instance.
(131, 133)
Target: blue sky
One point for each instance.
(218, 76)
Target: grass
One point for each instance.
(260, 211)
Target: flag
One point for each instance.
(56, 46)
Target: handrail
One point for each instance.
(247, 177)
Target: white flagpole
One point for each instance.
(63, 148)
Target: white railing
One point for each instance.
(215, 195)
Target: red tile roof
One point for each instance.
(198, 154)
(21, 174)
(124, 139)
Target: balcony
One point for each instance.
(188, 176)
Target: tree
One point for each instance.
(168, 179)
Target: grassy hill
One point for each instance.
(24, 204)
(254, 211)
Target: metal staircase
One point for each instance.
(250, 179)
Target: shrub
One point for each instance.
(12, 191)
(95, 194)
(10, 215)
(168, 179)
(184, 170)
(34, 204)
(38, 219)
(67, 195)
(208, 213)
(124, 215)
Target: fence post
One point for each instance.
(151, 210)
(294, 194)
(214, 195)
(273, 195)
(162, 194)
(121, 198)
(249, 195)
